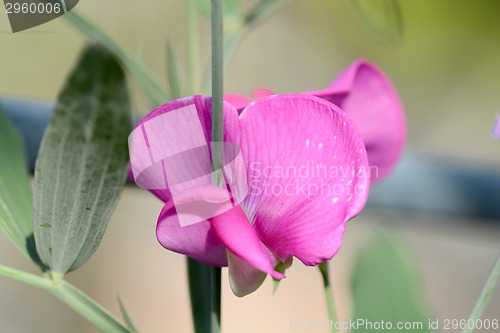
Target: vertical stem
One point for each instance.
(192, 48)
(74, 298)
(485, 296)
(200, 290)
(323, 268)
(205, 281)
(217, 136)
(217, 84)
(216, 299)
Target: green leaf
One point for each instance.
(150, 86)
(82, 162)
(484, 297)
(385, 285)
(15, 192)
(381, 19)
(263, 10)
(126, 316)
(231, 8)
(16, 196)
(174, 77)
(73, 297)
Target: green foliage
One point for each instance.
(126, 316)
(82, 162)
(16, 197)
(231, 7)
(380, 18)
(73, 297)
(150, 86)
(386, 287)
(263, 10)
(174, 75)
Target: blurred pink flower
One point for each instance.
(369, 98)
(304, 174)
(496, 128)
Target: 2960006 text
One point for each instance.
(486, 324)
(33, 8)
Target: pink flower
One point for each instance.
(295, 171)
(496, 128)
(369, 98)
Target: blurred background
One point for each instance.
(443, 200)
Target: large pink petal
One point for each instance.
(248, 253)
(170, 154)
(369, 98)
(194, 240)
(307, 174)
(171, 145)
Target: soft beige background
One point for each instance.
(447, 70)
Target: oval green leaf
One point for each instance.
(16, 196)
(82, 163)
(386, 286)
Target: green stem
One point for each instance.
(192, 47)
(323, 268)
(217, 79)
(216, 289)
(217, 136)
(259, 13)
(485, 296)
(73, 297)
(205, 281)
(201, 290)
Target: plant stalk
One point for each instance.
(73, 297)
(217, 137)
(484, 297)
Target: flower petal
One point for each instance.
(243, 277)
(496, 128)
(240, 102)
(307, 174)
(237, 100)
(262, 92)
(234, 230)
(369, 98)
(195, 240)
(171, 145)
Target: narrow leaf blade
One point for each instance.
(263, 10)
(381, 19)
(82, 163)
(174, 76)
(74, 298)
(384, 273)
(126, 316)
